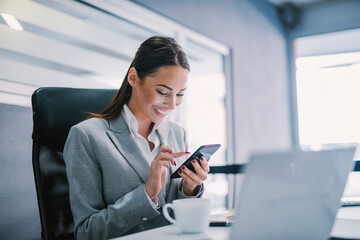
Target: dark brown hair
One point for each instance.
(152, 54)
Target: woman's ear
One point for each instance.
(132, 77)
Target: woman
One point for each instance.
(119, 162)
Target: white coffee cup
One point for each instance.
(192, 215)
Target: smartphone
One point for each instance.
(205, 150)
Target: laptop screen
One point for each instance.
(291, 195)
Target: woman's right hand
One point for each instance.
(158, 171)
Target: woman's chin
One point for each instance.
(156, 119)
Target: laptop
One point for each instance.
(291, 195)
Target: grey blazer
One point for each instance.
(107, 176)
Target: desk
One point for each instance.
(172, 232)
(347, 225)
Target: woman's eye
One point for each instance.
(162, 93)
(180, 94)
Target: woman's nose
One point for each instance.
(171, 102)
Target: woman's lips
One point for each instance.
(161, 112)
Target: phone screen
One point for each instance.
(206, 150)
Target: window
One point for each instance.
(328, 89)
(205, 114)
(328, 86)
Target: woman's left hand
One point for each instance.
(192, 180)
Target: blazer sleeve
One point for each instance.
(92, 217)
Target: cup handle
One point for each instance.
(166, 212)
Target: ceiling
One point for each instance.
(295, 2)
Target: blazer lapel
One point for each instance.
(161, 195)
(120, 135)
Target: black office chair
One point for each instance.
(55, 111)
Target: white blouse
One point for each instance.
(163, 129)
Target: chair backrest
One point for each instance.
(55, 111)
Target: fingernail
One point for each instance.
(179, 171)
(193, 161)
(174, 163)
(203, 158)
(182, 167)
(187, 152)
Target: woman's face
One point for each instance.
(154, 98)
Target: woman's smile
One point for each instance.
(161, 112)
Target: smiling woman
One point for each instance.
(152, 57)
(119, 162)
(157, 95)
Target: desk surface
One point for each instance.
(347, 225)
(172, 232)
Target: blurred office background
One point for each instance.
(266, 76)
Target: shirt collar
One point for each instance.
(131, 121)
